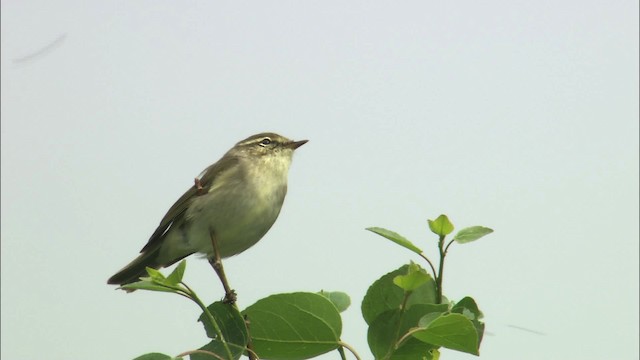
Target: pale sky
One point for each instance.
(517, 115)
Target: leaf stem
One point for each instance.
(433, 269)
(199, 352)
(351, 349)
(408, 334)
(403, 309)
(341, 352)
(213, 321)
(449, 244)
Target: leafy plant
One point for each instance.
(407, 314)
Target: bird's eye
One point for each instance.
(265, 141)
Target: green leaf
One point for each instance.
(414, 279)
(427, 319)
(154, 274)
(339, 299)
(147, 284)
(154, 356)
(453, 331)
(472, 233)
(384, 295)
(413, 349)
(441, 225)
(176, 275)
(382, 336)
(435, 354)
(385, 331)
(396, 238)
(294, 326)
(468, 307)
(232, 326)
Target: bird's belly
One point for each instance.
(236, 224)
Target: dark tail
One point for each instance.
(136, 268)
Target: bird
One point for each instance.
(230, 207)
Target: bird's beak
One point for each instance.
(296, 144)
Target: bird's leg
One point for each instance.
(216, 263)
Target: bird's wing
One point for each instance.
(201, 186)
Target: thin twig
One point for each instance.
(440, 270)
(252, 354)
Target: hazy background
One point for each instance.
(517, 115)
